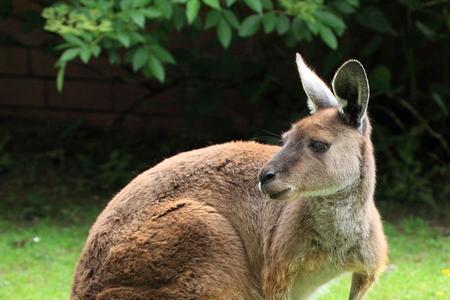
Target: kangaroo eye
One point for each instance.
(319, 146)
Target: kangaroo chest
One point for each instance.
(307, 284)
(337, 226)
(336, 234)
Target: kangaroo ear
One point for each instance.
(351, 87)
(319, 95)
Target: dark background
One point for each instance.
(110, 123)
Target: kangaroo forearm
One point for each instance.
(361, 282)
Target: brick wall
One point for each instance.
(95, 93)
(28, 89)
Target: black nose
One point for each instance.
(267, 176)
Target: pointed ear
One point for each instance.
(319, 95)
(351, 87)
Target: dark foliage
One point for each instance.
(404, 45)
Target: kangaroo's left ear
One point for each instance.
(319, 95)
(351, 88)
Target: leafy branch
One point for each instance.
(135, 32)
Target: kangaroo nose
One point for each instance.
(267, 176)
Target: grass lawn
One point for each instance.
(38, 259)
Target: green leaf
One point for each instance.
(353, 2)
(267, 4)
(73, 39)
(299, 30)
(411, 4)
(69, 54)
(165, 7)
(162, 54)
(138, 18)
(136, 37)
(224, 33)
(374, 18)
(192, 9)
(212, 3)
(313, 26)
(254, 5)
(343, 7)
(269, 22)
(197, 24)
(124, 39)
(440, 103)
(250, 25)
(113, 57)
(95, 49)
(63, 46)
(85, 54)
(151, 13)
(380, 79)
(372, 46)
(425, 30)
(156, 68)
(178, 18)
(331, 20)
(282, 24)
(212, 18)
(60, 77)
(230, 2)
(232, 19)
(140, 3)
(140, 58)
(125, 4)
(328, 37)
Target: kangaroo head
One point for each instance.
(322, 153)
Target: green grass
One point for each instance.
(419, 257)
(38, 270)
(37, 258)
(43, 269)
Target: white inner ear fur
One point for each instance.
(319, 95)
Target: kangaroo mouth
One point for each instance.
(275, 190)
(279, 194)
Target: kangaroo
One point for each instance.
(247, 221)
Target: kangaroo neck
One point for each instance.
(338, 220)
(330, 222)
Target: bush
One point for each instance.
(404, 44)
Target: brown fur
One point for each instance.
(196, 226)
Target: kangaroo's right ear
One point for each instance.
(351, 87)
(319, 95)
